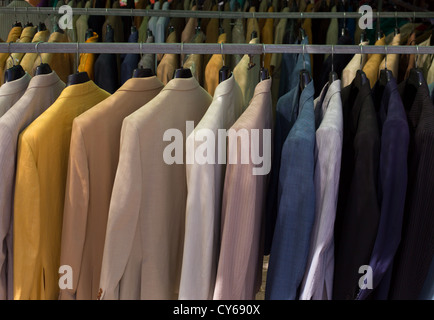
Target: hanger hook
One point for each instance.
(10, 54)
(333, 53)
(182, 53)
(37, 51)
(141, 49)
(221, 52)
(78, 56)
(417, 55)
(304, 60)
(385, 58)
(263, 55)
(361, 55)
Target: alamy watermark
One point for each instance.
(205, 152)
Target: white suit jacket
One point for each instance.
(145, 228)
(318, 279)
(42, 91)
(205, 189)
(11, 91)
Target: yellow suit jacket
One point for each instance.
(372, 65)
(87, 60)
(13, 36)
(26, 36)
(29, 58)
(42, 161)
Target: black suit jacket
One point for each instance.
(106, 69)
(358, 211)
(416, 251)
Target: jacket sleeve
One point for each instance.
(6, 189)
(123, 213)
(75, 211)
(27, 223)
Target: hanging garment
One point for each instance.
(392, 59)
(427, 292)
(43, 150)
(147, 60)
(93, 159)
(143, 28)
(252, 25)
(161, 25)
(72, 33)
(75, 17)
(237, 37)
(131, 60)
(87, 60)
(25, 37)
(213, 67)
(194, 61)
(139, 5)
(358, 211)
(189, 32)
(13, 36)
(8, 20)
(116, 23)
(149, 219)
(393, 181)
(247, 78)
(332, 32)
(11, 91)
(212, 34)
(307, 26)
(356, 63)
(285, 117)
(412, 262)
(205, 183)
(62, 63)
(267, 37)
(239, 274)
(95, 23)
(340, 61)
(41, 92)
(295, 202)
(227, 24)
(372, 65)
(82, 24)
(263, 7)
(29, 58)
(152, 23)
(106, 68)
(318, 279)
(169, 63)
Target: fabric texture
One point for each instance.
(41, 92)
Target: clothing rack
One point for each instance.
(213, 14)
(189, 48)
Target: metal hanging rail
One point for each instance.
(211, 14)
(188, 48)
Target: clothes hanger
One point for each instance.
(333, 76)
(89, 33)
(304, 74)
(56, 28)
(42, 26)
(263, 72)
(15, 72)
(385, 74)
(396, 31)
(43, 68)
(360, 72)
(254, 35)
(78, 77)
(108, 28)
(416, 78)
(182, 72)
(224, 72)
(143, 72)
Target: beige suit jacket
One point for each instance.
(169, 63)
(241, 251)
(392, 59)
(204, 199)
(41, 92)
(93, 159)
(11, 91)
(145, 229)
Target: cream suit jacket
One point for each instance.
(11, 91)
(239, 269)
(247, 79)
(93, 159)
(205, 190)
(42, 91)
(145, 228)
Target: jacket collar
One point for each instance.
(182, 84)
(262, 87)
(15, 86)
(79, 89)
(141, 84)
(44, 80)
